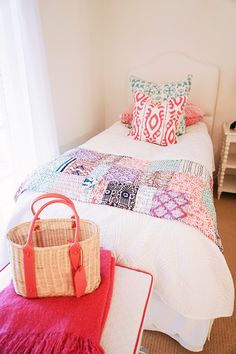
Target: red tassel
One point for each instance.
(78, 271)
(80, 282)
(47, 343)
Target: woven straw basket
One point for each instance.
(55, 257)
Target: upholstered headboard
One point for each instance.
(173, 66)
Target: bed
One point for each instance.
(193, 284)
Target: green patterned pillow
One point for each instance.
(165, 91)
(181, 129)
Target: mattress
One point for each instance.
(191, 276)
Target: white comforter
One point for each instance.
(191, 273)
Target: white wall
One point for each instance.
(137, 31)
(73, 34)
(88, 41)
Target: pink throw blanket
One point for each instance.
(58, 324)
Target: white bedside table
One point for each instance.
(227, 182)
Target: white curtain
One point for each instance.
(27, 127)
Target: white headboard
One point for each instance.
(174, 66)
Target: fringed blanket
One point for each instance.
(56, 324)
(170, 189)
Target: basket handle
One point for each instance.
(50, 195)
(75, 255)
(36, 216)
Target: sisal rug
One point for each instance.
(223, 334)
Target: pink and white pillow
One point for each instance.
(193, 113)
(156, 121)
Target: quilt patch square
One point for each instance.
(79, 167)
(200, 217)
(165, 165)
(122, 175)
(60, 163)
(194, 169)
(191, 185)
(155, 179)
(120, 195)
(132, 163)
(42, 181)
(110, 159)
(86, 194)
(98, 192)
(69, 185)
(86, 155)
(100, 170)
(207, 201)
(143, 203)
(170, 205)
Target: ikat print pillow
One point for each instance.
(156, 121)
(165, 91)
(127, 118)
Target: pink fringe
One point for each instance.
(47, 343)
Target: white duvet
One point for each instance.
(191, 274)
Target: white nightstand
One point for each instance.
(226, 181)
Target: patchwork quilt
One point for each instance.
(179, 190)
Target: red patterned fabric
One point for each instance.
(193, 113)
(156, 121)
(56, 324)
(127, 116)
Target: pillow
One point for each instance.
(127, 116)
(164, 91)
(156, 121)
(181, 129)
(193, 113)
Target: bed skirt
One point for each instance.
(189, 333)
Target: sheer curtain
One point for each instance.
(27, 127)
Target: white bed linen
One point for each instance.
(195, 146)
(192, 277)
(191, 334)
(178, 254)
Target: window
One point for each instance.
(27, 127)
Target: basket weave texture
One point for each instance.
(52, 239)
